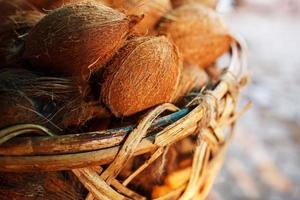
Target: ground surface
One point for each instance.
(264, 161)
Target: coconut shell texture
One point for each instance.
(77, 39)
(151, 10)
(53, 102)
(16, 19)
(10, 7)
(209, 3)
(40, 186)
(81, 112)
(17, 112)
(144, 73)
(44, 5)
(47, 5)
(199, 33)
(192, 77)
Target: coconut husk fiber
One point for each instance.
(55, 102)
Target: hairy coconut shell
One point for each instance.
(151, 10)
(46, 5)
(74, 116)
(199, 33)
(77, 39)
(41, 185)
(13, 113)
(24, 96)
(213, 72)
(10, 7)
(144, 73)
(81, 112)
(50, 101)
(209, 3)
(192, 77)
(16, 19)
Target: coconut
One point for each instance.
(41, 185)
(199, 33)
(77, 39)
(10, 7)
(144, 73)
(29, 98)
(213, 72)
(192, 77)
(209, 3)
(17, 18)
(46, 5)
(151, 10)
(54, 102)
(13, 113)
(79, 113)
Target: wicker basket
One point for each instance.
(206, 117)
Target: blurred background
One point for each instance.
(264, 160)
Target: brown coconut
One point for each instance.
(77, 39)
(46, 5)
(16, 19)
(213, 72)
(151, 10)
(199, 33)
(74, 116)
(49, 101)
(192, 77)
(13, 113)
(10, 7)
(82, 112)
(41, 185)
(209, 3)
(144, 73)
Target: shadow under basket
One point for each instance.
(149, 160)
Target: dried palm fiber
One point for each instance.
(143, 74)
(210, 3)
(16, 19)
(40, 185)
(198, 31)
(52, 101)
(210, 113)
(77, 39)
(192, 78)
(151, 10)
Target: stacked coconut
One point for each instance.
(83, 65)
